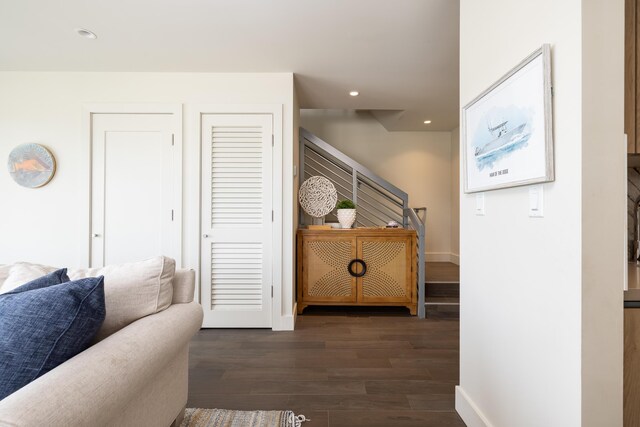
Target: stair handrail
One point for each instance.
(418, 224)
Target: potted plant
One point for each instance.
(346, 213)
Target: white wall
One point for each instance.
(455, 195)
(416, 162)
(50, 225)
(541, 300)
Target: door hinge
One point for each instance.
(172, 140)
(272, 141)
(171, 214)
(272, 216)
(271, 291)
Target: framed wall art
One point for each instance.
(507, 135)
(31, 165)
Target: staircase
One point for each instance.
(442, 289)
(378, 200)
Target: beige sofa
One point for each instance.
(136, 376)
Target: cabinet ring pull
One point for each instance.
(357, 261)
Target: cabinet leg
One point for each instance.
(413, 309)
(301, 307)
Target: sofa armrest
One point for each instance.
(95, 385)
(184, 283)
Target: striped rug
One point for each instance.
(199, 417)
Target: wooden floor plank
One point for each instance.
(276, 374)
(432, 402)
(387, 418)
(308, 387)
(409, 387)
(349, 402)
(379, 373)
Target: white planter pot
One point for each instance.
(346, 217)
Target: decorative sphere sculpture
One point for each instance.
(317, 196)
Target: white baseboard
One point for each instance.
(469, 411)
(442, 257)
(288, 322)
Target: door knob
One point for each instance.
(96, 235)
(206, 236)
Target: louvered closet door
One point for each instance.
(236, 220)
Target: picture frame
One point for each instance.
(507, 130)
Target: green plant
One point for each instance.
(345, 204)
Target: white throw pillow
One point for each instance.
(132, 290)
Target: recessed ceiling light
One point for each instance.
(354, 93)
(426, 122)
(86, 33)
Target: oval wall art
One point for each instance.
(31, 165)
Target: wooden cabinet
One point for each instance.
(364, 266)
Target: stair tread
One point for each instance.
(442, 300)
(442, 271)
(442, 289)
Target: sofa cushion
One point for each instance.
(20, 273)
(4, 273)
(45, 323)
(132, 290)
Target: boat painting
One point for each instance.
(506, 130)
(505, 141)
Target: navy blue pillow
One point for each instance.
(42, 326)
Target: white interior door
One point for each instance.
(133, 203)
(237, 241)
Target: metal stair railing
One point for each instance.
(378, 200)
(417, 223)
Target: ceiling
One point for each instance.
(401, 55)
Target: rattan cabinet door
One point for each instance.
(325, 277)
(388, 274)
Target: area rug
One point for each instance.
(199, 417)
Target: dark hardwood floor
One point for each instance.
(348, 366)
